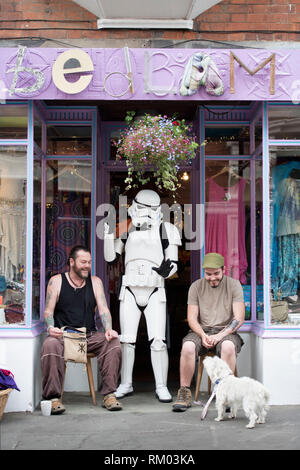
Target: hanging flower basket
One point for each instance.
(155, 143)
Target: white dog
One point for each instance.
(237, 392)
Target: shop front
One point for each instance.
(61, 112)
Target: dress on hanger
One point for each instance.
(285, 254)
(288, 233)
(12, 227)
(225, 226)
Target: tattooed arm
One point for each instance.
(52, 294)
(103, 308)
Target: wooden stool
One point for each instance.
(89, 374)
(199, 375)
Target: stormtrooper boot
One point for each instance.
(128, 355)
(160, 364)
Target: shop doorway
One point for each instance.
(176, 287)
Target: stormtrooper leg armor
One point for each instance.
(129, 321)
(128, 356)
(160, 364)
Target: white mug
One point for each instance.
(46, 407)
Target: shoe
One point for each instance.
(184, 399)
(163, 395)
(111, 403)
(57, 408)
(124, 390)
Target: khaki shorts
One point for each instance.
(201, 350)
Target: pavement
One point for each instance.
(145, 424)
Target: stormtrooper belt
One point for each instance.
(142, 280)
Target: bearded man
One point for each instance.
(72, 298)
(216, 310)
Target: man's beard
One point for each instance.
(81, 274)
(214, 287)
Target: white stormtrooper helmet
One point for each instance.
(145, 209)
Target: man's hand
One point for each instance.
(215, 339)
(111, 334)
(207, 341)
(55, 332)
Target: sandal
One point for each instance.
(111, 403)
(57, 408)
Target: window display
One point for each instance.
(227, 140)
(259, 241)
(36, 248)
(226, 187)
(13, 183)
(13, 121)
(285, 229)
(284, 122)
(69, 140)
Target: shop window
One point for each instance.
(284, 122)
(68, 211)
(228, 217)
(258, 133)
(36, 249)
(13, 121)
(227, 140)
(112, 135)
(69, 140)
(285, 229)
(13, 185)
(259, 241)
(37, 131)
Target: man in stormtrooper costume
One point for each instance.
(151, 255)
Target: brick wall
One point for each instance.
(230, 20)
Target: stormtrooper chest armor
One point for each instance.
(144, 245)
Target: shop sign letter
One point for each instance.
(270, 59)
(59, 71)
(18, 68)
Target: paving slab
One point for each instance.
(146, 424)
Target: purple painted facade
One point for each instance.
(146, 74)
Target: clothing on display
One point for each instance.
(12, 227)
(225, 226)
(285, 264)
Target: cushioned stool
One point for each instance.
(89, 374)
(200, 372)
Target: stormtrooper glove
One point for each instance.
(110, 222)
(164, 269)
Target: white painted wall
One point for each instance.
(280, 366)
(21, 357)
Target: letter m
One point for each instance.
(270, 59)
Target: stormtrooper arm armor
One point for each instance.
(112, 248)
(171, 251)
